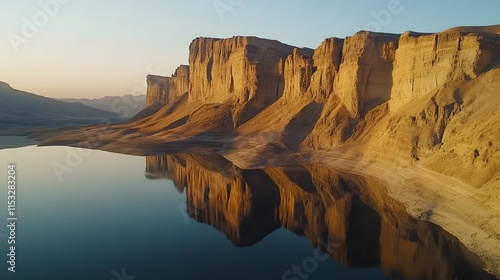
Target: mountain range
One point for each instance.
(20, 108)
(134, 104)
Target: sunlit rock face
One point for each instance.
(425, 62)
(350, 217)
(411, 96)
(238, 69)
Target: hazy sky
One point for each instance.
(91, 48)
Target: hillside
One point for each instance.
(23, 108)
(115, 104)
(419, 112)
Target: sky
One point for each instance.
(94, 48)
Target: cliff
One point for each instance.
(364, 79)
(410, 98)
(166, 89)
(423, 63)
(238, 69)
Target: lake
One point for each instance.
(86, 214)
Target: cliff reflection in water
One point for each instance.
(350, 217)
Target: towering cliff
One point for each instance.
(166, 89)
(327, 58)
(405, 98)
(239, 69)
(426, 62)
(364, 79)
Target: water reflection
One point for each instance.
(350, 217)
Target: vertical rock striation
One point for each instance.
(364, 79)
(166, 89)
(426, 62)
(327, 58)
(239, 69)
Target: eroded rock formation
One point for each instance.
(239, 69)
(425, 62)
(344, 90)
(166, 89)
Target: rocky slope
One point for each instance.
(420, 112)
(20, 108)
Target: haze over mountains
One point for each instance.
(420, 112)
(23, 108)
(135, 103)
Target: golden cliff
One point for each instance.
(166, 89)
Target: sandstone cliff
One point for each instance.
(410, 98)
(424, 63)
(336, 93)
(166, 89)
(239, 68)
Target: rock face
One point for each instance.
(364, 71)
(297, 72)
(166, 89)
(358, 70)
(424, 63)
(239, 69)
(327, 58)
(364, 78)
(344, 91)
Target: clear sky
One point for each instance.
(93, 48)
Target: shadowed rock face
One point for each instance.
(165, 90)
(349, 217)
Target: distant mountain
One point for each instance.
(125, 106)
(23, 108)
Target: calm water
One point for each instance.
(97, 215)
